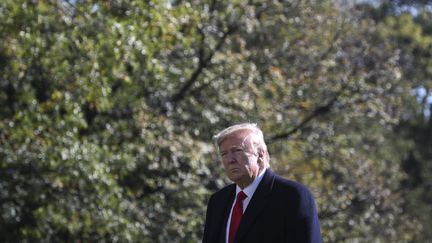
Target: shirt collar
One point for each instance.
(250, 190)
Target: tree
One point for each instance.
(409, 30)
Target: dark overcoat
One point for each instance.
(280, 210)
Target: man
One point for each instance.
(261, 206)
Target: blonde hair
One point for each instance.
(257, 138)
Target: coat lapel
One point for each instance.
(226, 204)
(257, 203)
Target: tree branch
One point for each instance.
(203, 63)
(320, 110)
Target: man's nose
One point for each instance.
(231, 157)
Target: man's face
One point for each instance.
(239, 158)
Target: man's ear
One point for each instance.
(261, 153)
(260, 156)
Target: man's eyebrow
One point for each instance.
(223, 151)
(232, 147)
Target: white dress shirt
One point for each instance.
(249, 191)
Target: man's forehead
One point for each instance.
(234, 146)
(237, 138)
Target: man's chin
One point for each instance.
(235, 177)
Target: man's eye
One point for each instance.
(238, 150)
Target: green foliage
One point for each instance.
(413, 36)
(108, 109)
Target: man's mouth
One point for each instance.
(234, 169)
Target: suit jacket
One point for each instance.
(279, 211)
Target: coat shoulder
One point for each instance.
(223, 193)
(289, 183)
(291, 187)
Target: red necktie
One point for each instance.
(236, 216)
